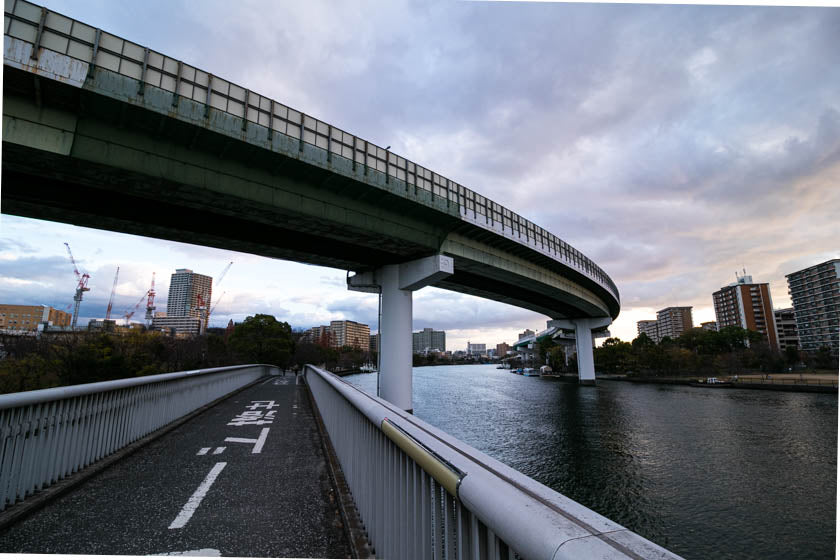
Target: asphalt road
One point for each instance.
(264, 493)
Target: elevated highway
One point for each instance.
(101, 132)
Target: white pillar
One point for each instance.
(395, 283)
(583, 343)
(395, 382)
(585, 357)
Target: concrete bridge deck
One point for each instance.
(265, 493)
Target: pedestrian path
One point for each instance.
(246, 477)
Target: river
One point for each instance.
(706, 473)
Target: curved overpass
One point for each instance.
(105, 133)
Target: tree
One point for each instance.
(264, 340)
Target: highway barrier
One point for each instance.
(49, 434)
(421, 493)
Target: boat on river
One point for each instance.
(711, 382)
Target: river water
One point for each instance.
(706, 473)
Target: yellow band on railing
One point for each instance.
(436, 468)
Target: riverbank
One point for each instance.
(802, 383)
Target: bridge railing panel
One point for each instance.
(83, 42)
(420, 493)
(49, 434)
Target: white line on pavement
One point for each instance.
(258, 443)
(192, 504)
(218, 450)
(203, 451)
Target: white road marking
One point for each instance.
(201, 552)
(219, 450)
(195, 500)
(203, 451)
(259, 442)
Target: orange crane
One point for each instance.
(111, 301)
(81, 287)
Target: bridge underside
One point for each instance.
(76, 156)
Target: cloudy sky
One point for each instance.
(673, 145)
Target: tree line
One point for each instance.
(730, 351)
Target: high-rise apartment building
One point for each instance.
(428, 339)
(479, 349)
(502, 349)
(26, 318)
(815, 294)
(184, 288)
(673, 321)
(786, 328)
(183, 307)
(350, 333)
(709, 325)
(747, 305)
(528, 332)
(374, 342)
(649, 328)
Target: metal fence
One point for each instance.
(49, 434)
(45, 29)
(421, 493)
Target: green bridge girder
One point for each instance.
(106, 156)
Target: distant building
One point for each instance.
(815, 294)
(528, 332)
(183, 308)
(786, 328)
(649, 328)
(747, 305)
(177, 326)
(318, 335)
(476, 349)
(502, 349)
(350, 333)
(374, 343)
(428, 339)
(709, 326)
(673, 321)
(20, 318)
(184, 288)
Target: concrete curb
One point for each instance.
(31, 504)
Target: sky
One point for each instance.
(673, 145)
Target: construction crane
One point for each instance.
(150, 302)
(202, 313)
(111, 301)
(209, 308)
(81, 287)
(212, 309)
(129, 313)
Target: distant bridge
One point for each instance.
(101, 132)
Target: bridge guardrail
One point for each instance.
(49, 434)
(45, 29)
(423, 494)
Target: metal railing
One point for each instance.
(421, 493)
(49, 434)
(45, 29)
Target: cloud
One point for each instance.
(672, 144)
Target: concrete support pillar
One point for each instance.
(583, 341)
(395, 284)
(585, 356)
(395, 339)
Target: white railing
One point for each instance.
(421, 493)
(43, 30)
(49, 434)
